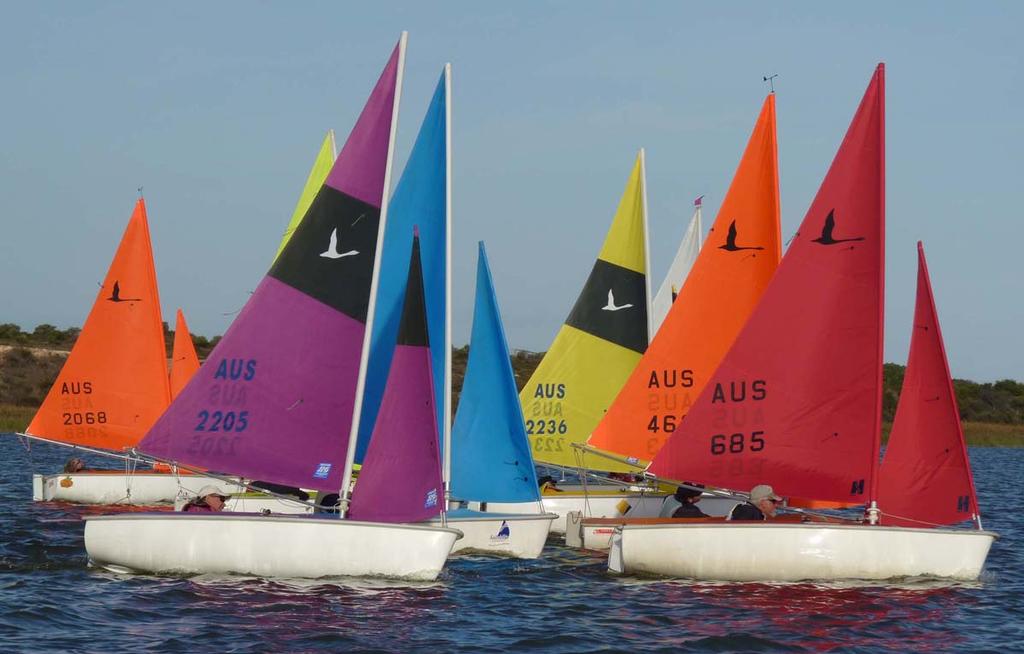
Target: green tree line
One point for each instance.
(25, 376)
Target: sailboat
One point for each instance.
(279, 400)
(113, 386)
(689, 247)
(490, 453)
(592, 355)
(723, 287)
(184, 360)
(796, 403)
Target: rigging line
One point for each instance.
(239, 481)
(914, 520)
(84, 448)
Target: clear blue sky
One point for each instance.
(218, 108)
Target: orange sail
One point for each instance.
(725, 283)
(114, 383)
(184, 360)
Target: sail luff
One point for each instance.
(353, 437)
(184, 360)
(647, 242)
(877, 442)
(157, 321)
(447, 399)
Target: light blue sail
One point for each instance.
(420, 200)
(491, 460)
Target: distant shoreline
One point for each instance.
(14, 418)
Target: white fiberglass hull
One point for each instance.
(520, 536)
(113, 487)
(594, 534)
(796, 552)
(601, 504)
(266, 546)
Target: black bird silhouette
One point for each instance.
(730, 241)
(826, 232)
(115, 296)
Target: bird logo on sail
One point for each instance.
(730, 241)
(332, 248)
(115, 295)
(826, 232)
(611, 306)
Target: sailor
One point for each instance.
(685, 495)
(762, 505)
(547, 484)
(209, 499)
(689, 498)
(74, 465)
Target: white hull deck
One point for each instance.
(267, 546)
(516, 535)
(260, 503)
(746, 551)
(596, 533)
(597, 503)
(115, 487)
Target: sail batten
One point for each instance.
(794, 401)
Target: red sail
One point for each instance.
(925, 477)
(796, 402)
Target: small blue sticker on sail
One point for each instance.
(322, 471)
(431, 499)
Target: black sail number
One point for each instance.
(737, 442)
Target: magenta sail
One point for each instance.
(359, 169)
(275, 400)
(401, 476)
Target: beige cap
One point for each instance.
(763, 492)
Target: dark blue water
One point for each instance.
(50, 600)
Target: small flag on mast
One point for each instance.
(697, 202)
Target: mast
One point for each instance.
(873, 512)
(647, 244)
(353, 436)
(446, 472)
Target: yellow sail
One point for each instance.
(598, 346)
(321, 167)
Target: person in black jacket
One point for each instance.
(762, 505)
(688, 496)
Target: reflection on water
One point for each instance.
(51, 600)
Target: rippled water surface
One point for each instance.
(50, 600)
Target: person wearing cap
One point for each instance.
(210, 499)
(762, 505)
(684, 500)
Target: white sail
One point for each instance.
(677, 272)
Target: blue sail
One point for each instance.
(491, 459)
(420, 200)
